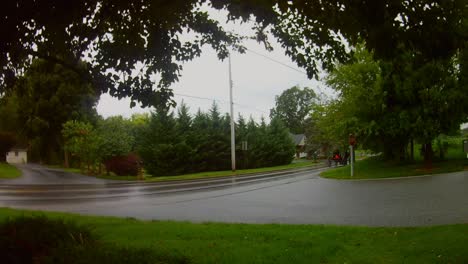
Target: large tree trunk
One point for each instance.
(65, 157)
(412, 150)
(394, 150)
(428, 154)
(388, 152)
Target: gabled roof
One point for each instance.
(20, 147)
(298, 138)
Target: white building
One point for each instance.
(17, 156)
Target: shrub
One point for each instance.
(7, 141)
(43, 240)
(123, 165)
(29, 239)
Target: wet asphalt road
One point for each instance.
(34, 174)
(300, 197)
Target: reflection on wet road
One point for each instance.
(111, 190)
(288, 197)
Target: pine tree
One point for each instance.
(160, 152)
(281, 148)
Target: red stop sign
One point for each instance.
(352, 140)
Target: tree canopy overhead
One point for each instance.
(135, 48)
(126, 44)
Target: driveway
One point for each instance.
(34, 174)
(300, 197)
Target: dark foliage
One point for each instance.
(172, 146)
(142, 31)
(47, 96)
(30, 239)
(41, 240)
(148, 32)
(123, 165)
(7, 141)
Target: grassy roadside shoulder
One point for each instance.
(8, 171)
(59, 167)
(201, 175)
(272, 243)
(375, 168)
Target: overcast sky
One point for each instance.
(257, 80)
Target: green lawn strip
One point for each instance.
(8, 171)
(60, 167)
(374, 168)
(272, 243)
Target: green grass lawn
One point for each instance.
(212, 174)
(8, 171)
(271, 243)
(72, 170)
(375, 167)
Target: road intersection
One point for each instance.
(293, 197)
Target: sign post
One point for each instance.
(352, 143)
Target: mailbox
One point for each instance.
(465, 145)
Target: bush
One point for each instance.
(43, 240)
(123, 165)
(29, 239)
(7, 141)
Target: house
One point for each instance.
(300, 142)
(17, 156)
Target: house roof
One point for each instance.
(297, 138)
(20, 147)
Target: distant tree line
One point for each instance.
(173, 144)
(176, 144)
(53, 112)
(43, 99)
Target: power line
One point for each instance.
(248, 106)
(285, 65)
(252, 108)
(202, 98)
(222, 101)
(277, 61)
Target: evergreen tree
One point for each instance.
(217, 148)
(172, 146)
(184, 120)
(281, 148)
(200, 126)
(186, 137)
(241, 136)
(159, 150)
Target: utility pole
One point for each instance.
(233, 135)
